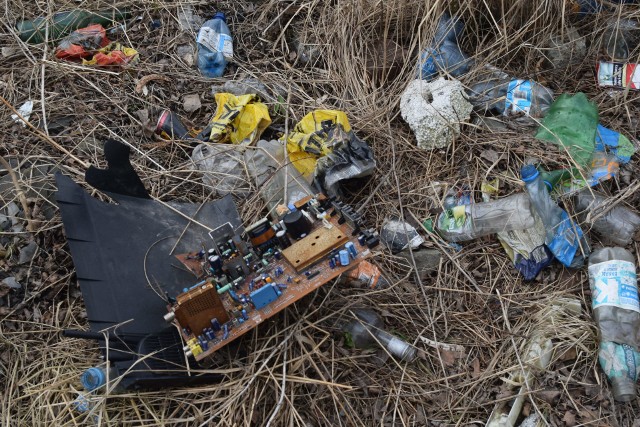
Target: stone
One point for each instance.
(434, 111)
(191, 102)
(427, 260)
(27, 253)
(11, 282)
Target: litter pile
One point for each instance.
(192, 196)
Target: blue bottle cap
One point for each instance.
(529, 173)
(220, 15)
(93, 378)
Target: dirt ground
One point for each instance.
(356, 56)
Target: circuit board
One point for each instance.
(213, 312)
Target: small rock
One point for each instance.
(8, 51)
(12, 212)
(11, 282)
(434, 111)
(27, 253)
(427, 260)
(191, 103)
(185, 52)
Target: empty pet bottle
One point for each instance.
(366, 331)
(617, 226)
(564, 238)
(467, 222)
(495, 92)
(614, 293)
(444, 54)
(215, 46)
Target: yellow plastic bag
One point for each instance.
(238, 119)
(315, 136)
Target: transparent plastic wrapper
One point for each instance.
(496, 92)
(398, 235)
(564, 238)
(444, 54)
(223, 168)
(618, 226)
(616, 309)
(467, 222)
(527, 250)
(266, 165)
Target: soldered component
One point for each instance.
(344, 257)
(264, 296)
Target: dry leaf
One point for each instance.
(569, 419)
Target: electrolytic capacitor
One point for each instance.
(211, 252)
(283, 240)
(332, 263)
(277, 255)
(215, 262)
(239, 271)
(362, 239)
(245, 316)
(352, 249)
(215, 325)
(344, 257)
(232, 245)
(336, 259)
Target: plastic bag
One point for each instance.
(398, 235)
(238, 119)
(91, 46)
(223, 168)
(325, 150)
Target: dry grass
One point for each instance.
(297, 370)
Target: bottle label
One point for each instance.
(215, 42)
(614, 283)
(519, 96)
(566, 240)
(619, 75)
(452, 219)
(619, 360)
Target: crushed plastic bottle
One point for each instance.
(618, 226)
(215, 46)
(564, 238)
(498, 93)
(614, 289)
(620, 37)
(366, 331)
(467, 222)
(444, 54)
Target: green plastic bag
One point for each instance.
(571, 123)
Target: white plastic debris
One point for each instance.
(223, 168)
(24, 111)
(434, 111)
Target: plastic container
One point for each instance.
(215, 46)
(444, 54)
(367, 331)
(618, 226)
(98, 376)
(614, 293)
(564, 238)
(467, 222)
(498, 93)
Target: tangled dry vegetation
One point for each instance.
(297, 371)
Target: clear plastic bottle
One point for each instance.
(564, 238)
(614, 293)
(620, 37)
(444, 54)
(215, 46)
(498, 93)
(467, 222)
(98, 376)
(618, 226)
(366, 331)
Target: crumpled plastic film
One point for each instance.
(238, 119)
(325, 150)
(91, 46)
(223, 168)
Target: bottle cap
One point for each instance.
(93, 378)
(220, 15)
(529, 173)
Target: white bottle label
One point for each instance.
(614, 283)
(216, 42)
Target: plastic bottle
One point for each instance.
(612, 276)
(63, 23)
(564, 238)
(618, 226)
(367, 331)
(444, 54)
(496, 92)
(98, 376)
(467, 222)
(215, 46)
(619, 39)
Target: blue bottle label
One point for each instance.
(614, 283)
(519, 97)
(619, 360)
(216, 42)
(566, 240)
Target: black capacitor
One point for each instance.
(283, 240)
(232, 245)
(239, 271)
(215, 262)
(296, 224)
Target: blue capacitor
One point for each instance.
(225, 334)
(344, 257)
(277, 255)
(332, 263)
(203, 342)
(208, 332)
(215, 325)
(362, 239)
(244, 314)
(352, 249)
